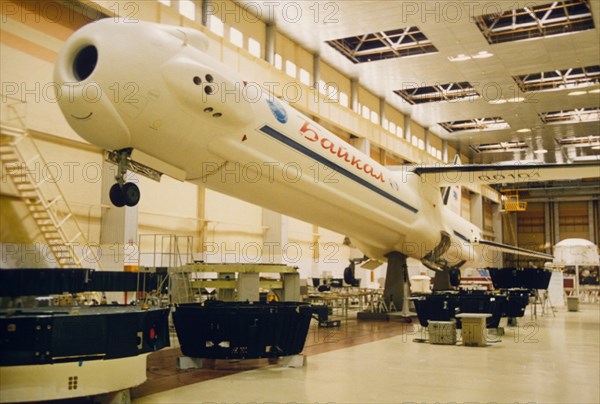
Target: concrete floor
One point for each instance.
(546, 360)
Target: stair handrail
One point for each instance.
(25, 135)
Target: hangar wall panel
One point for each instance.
(331, 75)
(573, 220)
(530, 224)
(397, 118)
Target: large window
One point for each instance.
(236, 37)
(343, 98)
(254, 47)
(399, 131)
(290, 68)
(305, 77)
(278, 61)
(187, 8)
(216, 25)
(374, 117)
(366, 112)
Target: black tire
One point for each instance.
(131, 194)
(117, 196)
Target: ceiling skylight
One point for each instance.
(380, 45)
(559, 79)
(439, 92)
(571, 116)
(556, 18)
(580, 141)
(495, 123)
(499, 147)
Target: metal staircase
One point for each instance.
(36, 184)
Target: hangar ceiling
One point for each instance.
(500, 80)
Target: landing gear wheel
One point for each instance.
(117, 196)
(131, 193)
(128, 194)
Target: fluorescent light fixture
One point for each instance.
(498, 102)
(596, 147)
(540, 151)
(575, 93)
(459, 58)
(586, 158)
(482, 55)
(596, 91)
(462, 57)
(524, 130)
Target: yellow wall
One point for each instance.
(331, 75)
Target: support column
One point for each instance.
(118, 226)
(498, 261)
(354, 95)
(556, 221)
(396, 281)
(201, 224)
(407, 131)
(206, 9)
(291, 287)
(548, 239)
(275, 236)
(315, 268)
(226, 295)
(445, 151)
(270, 43)
(476, 201)
(248, 285)
(198, 11)
(316, 71)
(592, 236)
(382, 111)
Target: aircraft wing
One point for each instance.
(505, 173)
(516, 250)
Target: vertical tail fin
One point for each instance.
(452, 195)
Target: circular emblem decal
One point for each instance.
(278, 110)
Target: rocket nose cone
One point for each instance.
(80, 72)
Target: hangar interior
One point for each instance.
(406, 83)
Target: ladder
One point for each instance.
(36, 185)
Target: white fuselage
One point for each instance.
(242, 141)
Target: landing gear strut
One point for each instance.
(123, 193)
